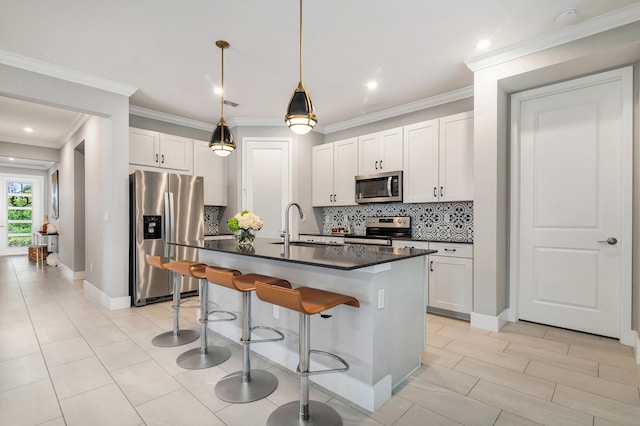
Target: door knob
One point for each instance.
(611, 241)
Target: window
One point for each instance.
(19, 213)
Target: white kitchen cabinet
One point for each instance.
(380, 152)
(148, 148)
(321, 239)
(213, 168)
(334, 167)
(438, 160)
(451, 277)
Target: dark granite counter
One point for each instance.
(345, 257)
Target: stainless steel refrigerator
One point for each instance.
(164, 207)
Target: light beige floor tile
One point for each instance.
(59, 421)
(21, 371)
(585, 382)
(30, 404)
(16, 329)
(433, 327)
(144, 381)
(120, 354)
(620, 375)
(513, 361)
(589, 341)
(80, 376)
(90, 320)
(570, 362)
(536, 342)
(438, 341)
(456, 381)
(351, 416)
(74, 309)
(441, 357)
(166, 358)
(460, 324)
(417, 415)
(202, 384)
(529, 407)
(533, 386)
(525, 328)
(180, 408)
(101, 336)
(447, 403)
(132, 323)
(252, 413)
(622, 361)
(392, 411)
(64, 351)
(57, 332)
(598, 406)
(602, 422)
(509, 419)
(48, 319)
(18, 347)
(288, 388)
(103, 406)
(486, 342)
(144, 337)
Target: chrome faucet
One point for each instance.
(286, 235)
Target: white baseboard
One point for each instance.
(369, 397)
(488, 322)
(69, 274)
(637, 333)
(111, 303)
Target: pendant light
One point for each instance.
(300, 117)
(222, 140)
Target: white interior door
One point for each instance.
(267, 182)
(574, 205)
(20, 212)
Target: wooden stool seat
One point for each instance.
(176, 337)
(187, 268)
(246, 385)
(306, 300)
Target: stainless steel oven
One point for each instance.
(379, 188)
(380, 230)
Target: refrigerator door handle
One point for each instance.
(169, 229)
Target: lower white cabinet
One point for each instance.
(451, 277)
(321, 239)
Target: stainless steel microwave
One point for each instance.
(379, 188)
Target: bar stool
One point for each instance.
(176, 337)
(246, 385)
(307, 301)
(205, 356)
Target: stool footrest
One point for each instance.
(274, 339)
(232, 317)
(331, 370)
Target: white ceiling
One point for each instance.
(166, 48)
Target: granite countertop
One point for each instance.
(345, 257)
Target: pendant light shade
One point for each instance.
(300, 116)
(222, 140)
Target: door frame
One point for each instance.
(39, 183)
(289, 161)
(625, 76)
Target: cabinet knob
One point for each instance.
(162, 158)
(376, 165)
(431, 266)
(441, 191)
(435, 192)
(156, 158)
(380, 164)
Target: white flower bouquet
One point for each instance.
(244, 225)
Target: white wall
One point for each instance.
(110, 156)
(492, 87)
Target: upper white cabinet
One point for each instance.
(148, 148)
(438, 160)
(334, 167)
(213, 168)
(380, 152)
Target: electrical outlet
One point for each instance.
(276, 311)
(91, 267)
(381, 298)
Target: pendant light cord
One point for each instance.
(222, 96)
(300, 41)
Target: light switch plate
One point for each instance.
(381, 298)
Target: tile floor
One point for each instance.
(65, 360)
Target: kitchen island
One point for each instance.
(382, 340)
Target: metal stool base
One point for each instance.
(194, 359)
(232, 389)
(170, 339)
(319, 414)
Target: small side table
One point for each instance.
(42, 241)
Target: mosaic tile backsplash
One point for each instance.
(432, 221)
(211, 220)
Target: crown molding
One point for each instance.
(455, 95)
(73, 128)
(63, 73)
(170, 118)
(616, 18)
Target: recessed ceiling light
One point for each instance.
(566, 16)
(28, 129)
(372, 85)
(483, 44)
(12, 159)
(217, 90)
